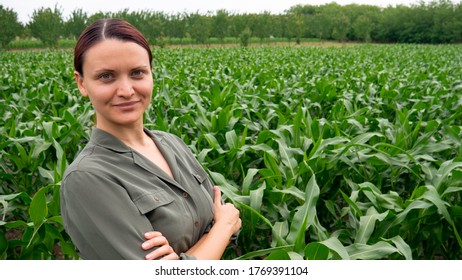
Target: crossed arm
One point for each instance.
(212, 244)
(91, 207)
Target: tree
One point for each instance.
(220, 25)
(458, 23)
(330, 12)
(262, 26)
(238, 23)
(176, 26)
(374, 13)
(245, 37)
(301, 22)
(390, 25)
(99, 15)
(151, 24)
(302, 10)
(157, 23)
(362, 28)
(47, 25)
(76, 23)
(341, 28)
(10, 26)
(200, 27)
(295, 24)
(278, 26)
(446, 24)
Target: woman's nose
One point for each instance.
(125, 88)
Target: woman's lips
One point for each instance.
(126, 105)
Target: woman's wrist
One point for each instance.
(224, 229)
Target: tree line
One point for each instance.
(436, 22)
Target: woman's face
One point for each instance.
(117, 78)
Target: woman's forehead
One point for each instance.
(113, 51)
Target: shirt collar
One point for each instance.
(104, 139)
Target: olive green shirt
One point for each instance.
(111, 195)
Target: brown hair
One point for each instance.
(107, 29)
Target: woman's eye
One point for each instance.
(138, 73)
(105, 76)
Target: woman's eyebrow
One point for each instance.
(104, 70)
(141, 66)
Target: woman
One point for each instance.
(133, 193)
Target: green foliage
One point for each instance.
(200, 27)
(245, 37)
(341, 28)
(260, 25)
(161, 42)
(76, 23)
(36, 44)
(435, 22)
(38, 134)
(362, 28)
(10, 26)
(329, 153)
(357, 132)
(295, 26)
(47, 25)
(220, 25)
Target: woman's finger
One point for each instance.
(160, 252)
(152, 234)
(172, 256)
(217, 195)
(154, 242)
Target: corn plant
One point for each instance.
(329, 153)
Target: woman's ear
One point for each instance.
(80, 83)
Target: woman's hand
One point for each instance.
(226, 215)
(164, 250)
(227, 222)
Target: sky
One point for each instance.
(25, 8)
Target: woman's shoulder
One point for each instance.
(91, 159)
(82, 160)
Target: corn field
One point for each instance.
(328, 152)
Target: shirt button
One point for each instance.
(185, 195)
(196, 224)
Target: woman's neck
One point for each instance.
(131, 135)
